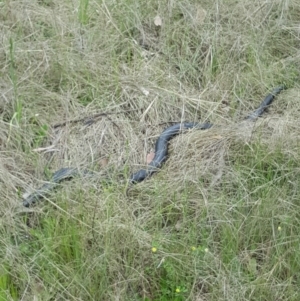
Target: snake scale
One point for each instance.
(161, 153)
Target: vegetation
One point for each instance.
(91, 84)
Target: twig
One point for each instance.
(89, 119)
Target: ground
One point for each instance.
(91, 84)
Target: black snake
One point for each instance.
(161, 153)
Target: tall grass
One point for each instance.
(220, 221)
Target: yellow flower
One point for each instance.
(154, 249)
(279, 228)
(193, 248)
(177, 290)
(206, 250)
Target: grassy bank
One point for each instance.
(91, 84)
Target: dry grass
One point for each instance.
(223, 211)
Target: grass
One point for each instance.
(220, 221)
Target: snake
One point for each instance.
(161, 153)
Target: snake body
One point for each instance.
(161, 153)
(161, 148)
(265, 103)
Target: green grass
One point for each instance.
(220, 221)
